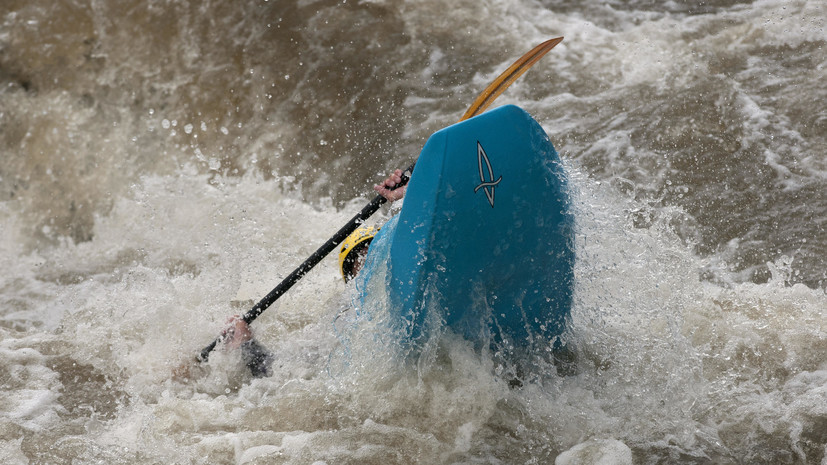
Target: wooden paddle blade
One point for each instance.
(509, 76)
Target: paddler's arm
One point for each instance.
(257, 358)
(238, 335)
(384, 189)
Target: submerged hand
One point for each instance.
(384, 189)
(237, 332)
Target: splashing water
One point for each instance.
(165, 162)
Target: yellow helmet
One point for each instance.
(356, 242)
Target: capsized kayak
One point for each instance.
(484, 240)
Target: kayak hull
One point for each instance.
(483, 243)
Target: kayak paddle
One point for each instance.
(482, 102)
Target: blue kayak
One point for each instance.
(484, 241)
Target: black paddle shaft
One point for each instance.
(311, 261)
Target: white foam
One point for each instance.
(32, 400)
(666, 363)
(596, 452)
(11, 453)
(253, 453)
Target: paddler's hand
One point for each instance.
(384, 189)
(237, 332)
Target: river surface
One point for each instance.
(162, 163)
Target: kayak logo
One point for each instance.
(486, 184)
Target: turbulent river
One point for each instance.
(163, 162)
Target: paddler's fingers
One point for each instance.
(391, 195)
(387, 188)
(392, 180)
(238, 332)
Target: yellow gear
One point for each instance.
(354, 242)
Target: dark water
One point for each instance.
(161, 157)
